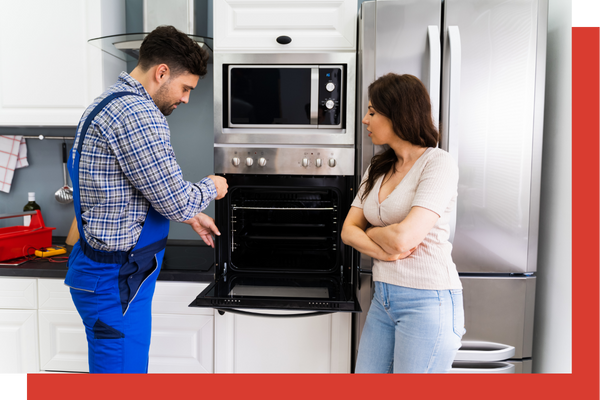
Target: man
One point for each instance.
(127, 186)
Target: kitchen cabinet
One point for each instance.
(40, 310)
(254, 344)
(18, 325)
(63, 346)
(18, 341)
(312, 25)
(182, 337)
(49, 73)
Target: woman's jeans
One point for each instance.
(411, 330)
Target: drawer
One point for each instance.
(53, 294)
(175, 297)
(18, 293)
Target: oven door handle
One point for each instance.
(235, 311)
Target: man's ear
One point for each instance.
(162, 73)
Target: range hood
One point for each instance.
(185, 15)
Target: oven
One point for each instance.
(284, 140)
(280, 245)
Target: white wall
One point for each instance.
(552, 332)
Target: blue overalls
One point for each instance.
(113, 290)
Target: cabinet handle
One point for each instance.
(234, 311)
(284, 40)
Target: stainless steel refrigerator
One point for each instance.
(483, 62)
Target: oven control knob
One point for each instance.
(318, 162)
(249, 161)
(330, 86)
(305, 162)
(329, 104)
(262, 161)
(235, 161)
(332, 162)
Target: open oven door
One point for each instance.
(278, 292)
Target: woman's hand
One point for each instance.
(406, 235)
(354, 233)
(392, 257)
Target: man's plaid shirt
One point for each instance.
(126, 164)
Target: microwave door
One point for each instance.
(278, 292)
(272, 96)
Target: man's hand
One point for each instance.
(220, 185)
(205, 227)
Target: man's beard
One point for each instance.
(161, 99)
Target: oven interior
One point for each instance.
(283, 224)
(284, 229)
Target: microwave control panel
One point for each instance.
(330, 95)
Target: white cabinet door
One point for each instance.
(63, 346)
(181, 344)
(18, 341)
(182, 336)
(250, 344)
(49, 73)
(247, 25)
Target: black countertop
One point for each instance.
(185, 260)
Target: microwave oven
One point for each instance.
(279, 98)
(285, 96)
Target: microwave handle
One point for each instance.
(314, 96)
(253, 314)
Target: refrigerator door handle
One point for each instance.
(435, 61)
(454, 103)
(484, 351)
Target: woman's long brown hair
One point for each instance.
(405, 101)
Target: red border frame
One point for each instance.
(582, 382)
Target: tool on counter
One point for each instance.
(50, 251)
(64, 195)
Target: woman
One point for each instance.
(400, 217)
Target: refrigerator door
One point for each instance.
(400, 36)
(492, 105)
(500, 310)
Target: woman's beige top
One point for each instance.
(431, 183)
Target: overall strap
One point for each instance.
(115, 257)
(95, 112)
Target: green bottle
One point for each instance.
(31, 206)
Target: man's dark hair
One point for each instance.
(167, 45)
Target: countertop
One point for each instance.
(185, 260)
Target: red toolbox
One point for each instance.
(18, 241)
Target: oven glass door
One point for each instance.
(278, 292)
